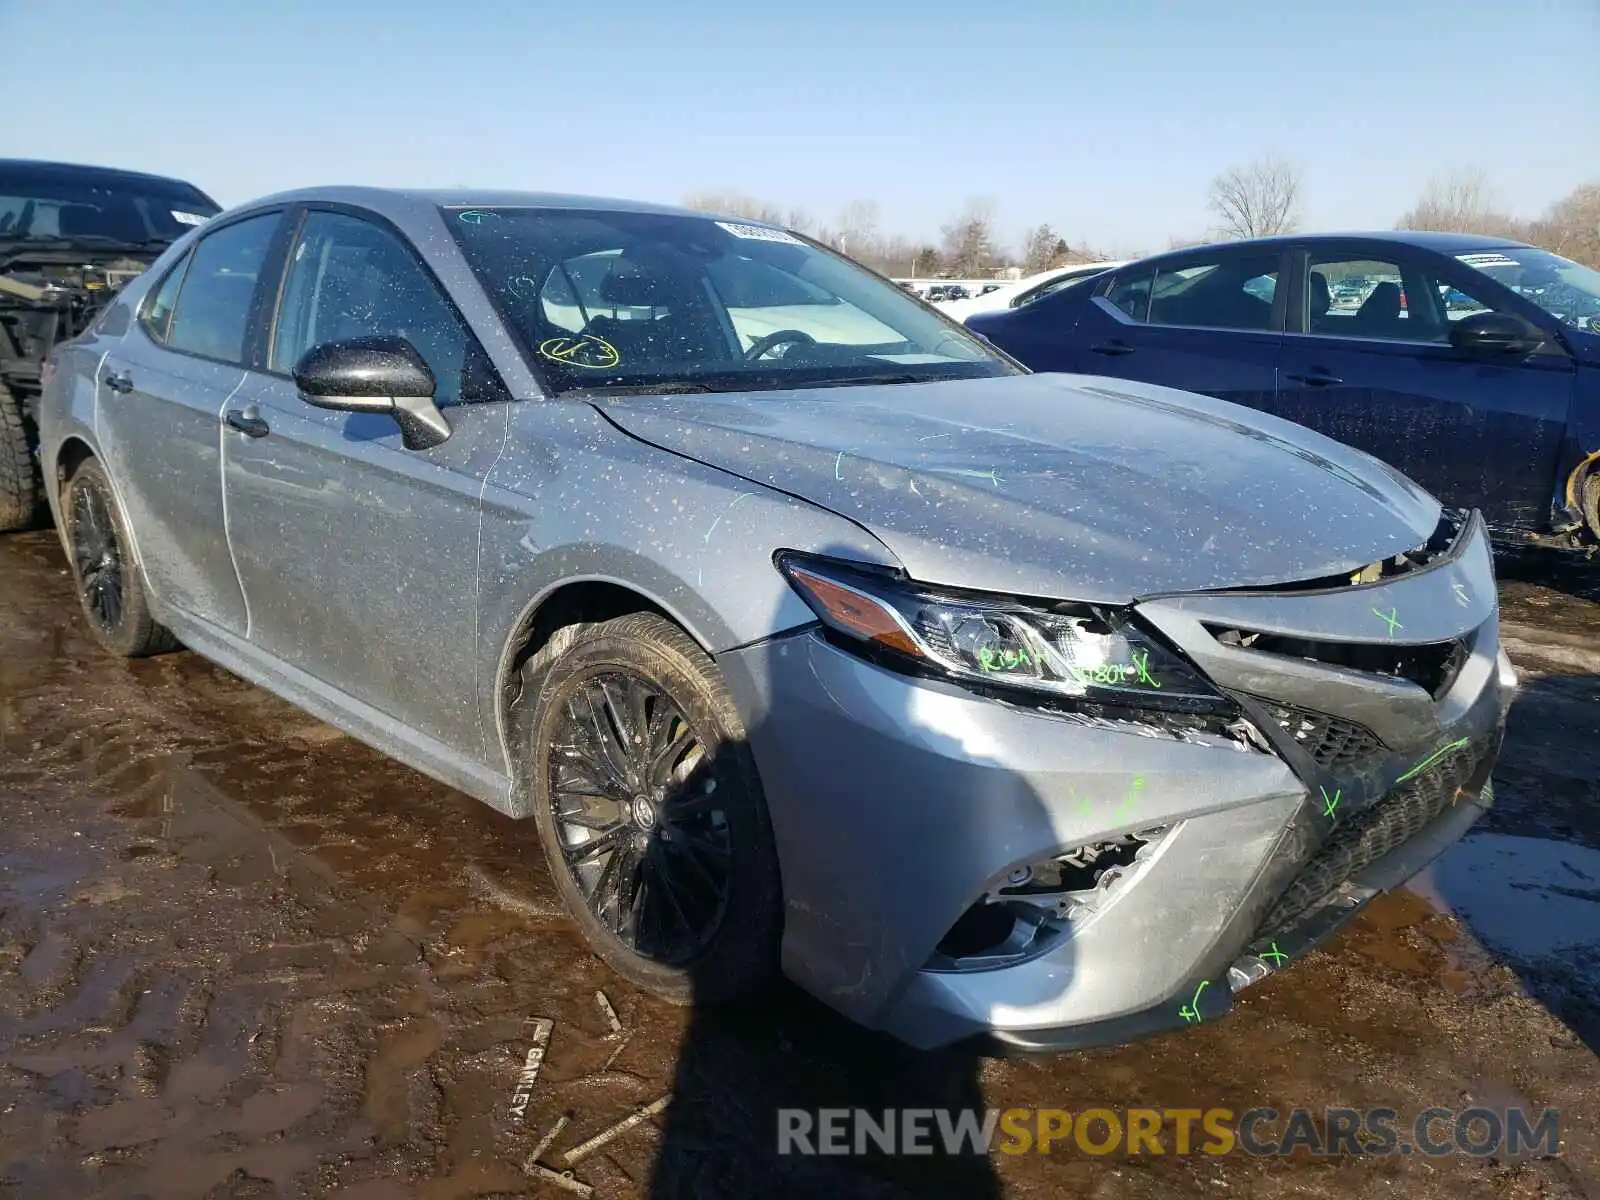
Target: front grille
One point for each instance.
(1432, 666)
(1376, 830)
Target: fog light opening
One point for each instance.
(1036, 905)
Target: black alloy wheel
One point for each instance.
(98, 558)
(640, 780)
(634, 795)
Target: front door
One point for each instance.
(1374, 368)
(359, 557)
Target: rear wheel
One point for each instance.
(19, 473)
(650, 810)
(109, 586)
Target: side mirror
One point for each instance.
(1495, 335)
(375, 375)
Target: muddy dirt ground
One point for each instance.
(242, 955)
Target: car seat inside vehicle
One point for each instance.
(665, 323)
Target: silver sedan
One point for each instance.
(812, 634)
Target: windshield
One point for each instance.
(645, 301)
(45, 204)
(1568, 292)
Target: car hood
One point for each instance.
(1065, 486)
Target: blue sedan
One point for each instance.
(1472, 364)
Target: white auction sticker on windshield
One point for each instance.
(760, 233)
(1483, 261)
(187, 218)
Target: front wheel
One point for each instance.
(650, 810)
(109, 585)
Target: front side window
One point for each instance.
(1566, 290)
(629, 300)
(44, 203)
(212, 313)
(1234, 291)
(350, 278)
(1389, 300)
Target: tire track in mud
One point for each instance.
(242, 955)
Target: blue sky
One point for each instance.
(1106, 118)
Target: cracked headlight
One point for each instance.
(1064, 650)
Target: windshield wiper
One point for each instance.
(868, 380)
(671, 388)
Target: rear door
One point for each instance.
(161, 395)
(359, 557)
(1208, 322)
(1368, 362)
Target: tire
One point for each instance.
(702, 873)
(1590, 497)
(20, 492)
(110, 588)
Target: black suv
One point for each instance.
(70, 237)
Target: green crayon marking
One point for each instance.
(1277, 956)
(1134, 789)
(1391, 618)
(1329, 803)
(1440, 753)
(1191, 1011)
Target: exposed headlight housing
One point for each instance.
(1069, 651)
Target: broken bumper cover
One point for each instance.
(899, 804)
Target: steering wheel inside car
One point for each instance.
(782, 337)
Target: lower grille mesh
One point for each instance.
(1332, 742)
(1375, 831)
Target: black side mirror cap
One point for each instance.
(378, 374)
(1495, 335)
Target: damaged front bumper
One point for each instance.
(956, 867)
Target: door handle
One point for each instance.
(119, 381)
(247, 420)
(1114, 347)
(1316, 377)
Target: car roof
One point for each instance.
(63, 170)
(394, 201)
(1422, 239)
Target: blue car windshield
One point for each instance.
(638, 301)
(1567, 291)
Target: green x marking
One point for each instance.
(1329, 803)
(1391, 618)
(1277, 956)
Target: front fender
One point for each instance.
(600, 506)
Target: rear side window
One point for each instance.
(1129, 293)
(212, 313)
(157, 315)
(1232, 291)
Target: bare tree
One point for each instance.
(1571, 227)
(1042, 249)
(969, 242)
(735, 204)
(1462, 201)
(1259, 199)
